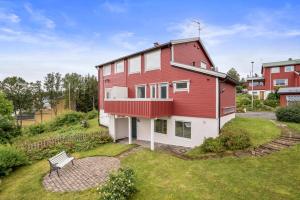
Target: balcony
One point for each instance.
(147, 108)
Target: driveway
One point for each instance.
(265, 115)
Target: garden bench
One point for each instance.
(59, 161)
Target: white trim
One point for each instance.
(145, 60)
(116, 66)
(155, 87)
(152, 134)
(139, 99)
(183, 127)
(193, 68)
(159, 89)
(276, 71)
(103, 70)
(286, 81)
(172, 52)
(201, 61)
(293, 68)
(129, 131)
(107, 90)
(181, 89)
(141, 85)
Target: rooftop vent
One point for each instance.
(290, 59)
(156, 44)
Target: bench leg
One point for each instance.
(72, 162)
(50, 173)
(57, 172)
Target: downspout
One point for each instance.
(98, 92)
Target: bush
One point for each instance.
(235, 141)
(8, 130)
(68, 118)
(10, 158)
(289, 114)
(271, 102)
(36, 129)
(212, 145)
(92, 114)
(273, 96)
(120, 186)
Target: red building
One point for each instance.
(283, 74)
(169, 93)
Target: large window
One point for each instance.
(153, 91)
(119, 66)
(160, 126)
(183, 129)
(134, 65)
(108, 93)
(106, 70)
(289, 68)
(275, 69)
(141, 91)
(181, 86)
(280, 82)
(152, 60)
(163, 91)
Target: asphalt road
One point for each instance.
(265, 115)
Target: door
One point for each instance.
(262, 95)
(133, 127)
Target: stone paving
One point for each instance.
(85, 173)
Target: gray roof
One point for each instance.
(255, 78)
(281, 63)
(289, 90)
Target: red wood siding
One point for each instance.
(147, 109)
(227, 98)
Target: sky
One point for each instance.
(40, 37)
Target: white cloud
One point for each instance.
(38, 16)
(9, 17)
(128, 40)
(115, 7)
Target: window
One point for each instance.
(106, 70)
(203, 65)
(280, 82)
(141, 91)
(183, 129)
(153, 91)
(134, 65)
(255, 93)
(181, 86)
(275, 69)
(256, 83)
(119, 66)
(289, 68)
(152, 60)
(160, 126)
(163, 91)
(108, 93)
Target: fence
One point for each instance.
(62, 139)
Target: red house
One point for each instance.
(283, 74)
(170, 93)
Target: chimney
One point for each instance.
(290, 59)
(156, 44)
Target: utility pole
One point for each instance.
(252, 85)
(69, 96)
(199, 26)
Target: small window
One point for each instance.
(141, 91)
(280, 82)
(203, 65)
(153, 91)
(181, 86)
(160, 126)
(106, 70)
(134, 65)
(183, 129)
(108, 93)
(275, 69)
(119, 66)
(289, 68)
(152, 60)
(163, 91)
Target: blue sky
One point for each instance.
(38, 37)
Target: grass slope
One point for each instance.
(294, 126)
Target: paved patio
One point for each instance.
(86, 173)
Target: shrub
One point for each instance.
(235, 141)
(37, 129)
(271, 102)
(120, 186)
(8, 129)
(92, 114)
(10, 158)
(273, 96)
(212, 145)
(66, 119)
(289, 114)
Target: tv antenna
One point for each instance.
(197, 22)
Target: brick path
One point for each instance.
(86, 173)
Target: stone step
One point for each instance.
(282, 140)
(276, 144)
(285, 143)
(264, 150)
(270, 147)
(290, 138)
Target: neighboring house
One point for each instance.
(167, 94)
(275, 74)
(289, 96)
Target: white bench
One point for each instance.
(59, 161)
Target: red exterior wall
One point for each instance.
(227, 98)
(200, 101)
(283, 101)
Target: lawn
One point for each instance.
(294, 126)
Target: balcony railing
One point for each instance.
(147, 108)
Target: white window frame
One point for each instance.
(136, 91)
(108, 72)
(274, 72)
(183, 123)
(105, 92)
(202, 62)
(286, 81)
(150, 68)
(175, 89)
(290, 66)
(119, 65)
(155, 88)
(159, 89)
(130, 64)
(166, 127)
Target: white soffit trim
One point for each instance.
(193, 68)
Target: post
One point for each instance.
(252, 86)
(113, 128)
(152, 134)
(129, 131)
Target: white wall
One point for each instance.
(104, 118)
(227, 118)
(121, 128)
(266, 93)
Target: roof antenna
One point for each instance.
(197, 22)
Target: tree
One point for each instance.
(71, 84)
(38, 97)
(19, 92)
(52, 85)
(6, 106)
(234, 74)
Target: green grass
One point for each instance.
(26, 182)
(294, 126)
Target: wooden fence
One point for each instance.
(28, 146)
